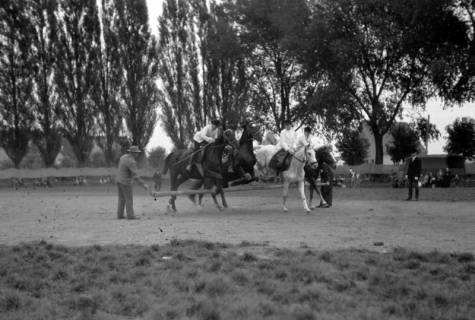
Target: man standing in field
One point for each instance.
(414, 166)
(126, 174)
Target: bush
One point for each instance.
(156, 157)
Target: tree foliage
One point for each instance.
(426, 131)
(16, 81)
(138, 54)
(352, 147)
(106, 93)
(405, 142)
(76, 73)
(461, 138)
(380, 52)
(454, 74)
(47, 133)
(268, 28)
(174, 53)
(156, 157)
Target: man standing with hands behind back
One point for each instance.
(413, 174)
(126, 174)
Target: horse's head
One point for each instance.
(310, 157)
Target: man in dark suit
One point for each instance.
(413, 174)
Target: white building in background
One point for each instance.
(366, 133)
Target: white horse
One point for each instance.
(264, 154)
(296, 173)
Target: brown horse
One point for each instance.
(211, 160)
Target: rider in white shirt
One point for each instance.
(288, 138)
(205, 136)
(305, 140)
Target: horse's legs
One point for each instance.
(302, 195)
(175, 182)
(312, 186)
(195, 186)
(223, 198)
(215, 192)
(173, 187)
(285, 193)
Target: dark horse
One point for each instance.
(240, 170)
(211, 160)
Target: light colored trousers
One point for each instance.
(125, 200)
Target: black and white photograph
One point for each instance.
(237, 159)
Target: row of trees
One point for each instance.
(407, 138)
(331, 64)
(80, 70)
(69, 69)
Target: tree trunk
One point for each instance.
(378, 144)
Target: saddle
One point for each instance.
(281, 160)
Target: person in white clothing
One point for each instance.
(287, 142)
(305, 140)
(203, 137)
(288, 138)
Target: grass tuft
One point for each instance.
(213, 281)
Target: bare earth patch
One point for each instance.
(444, 219)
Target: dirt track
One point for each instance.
(359, 218)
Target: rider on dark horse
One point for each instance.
(205, 136)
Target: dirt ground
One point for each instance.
(443, 220)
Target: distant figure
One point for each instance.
(413, 175)
(126, 174)
(446, 178)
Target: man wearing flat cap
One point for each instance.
(125, 175)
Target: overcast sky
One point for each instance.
(440, 117)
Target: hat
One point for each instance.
(134, 149)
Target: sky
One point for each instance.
(438, 115)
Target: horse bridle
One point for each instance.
(306, 157)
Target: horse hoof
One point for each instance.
(285, 209)
(313, 207)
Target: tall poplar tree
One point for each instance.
(47, 133)
(16, 80)
(110, 80)
(176, 97)
(78, 53)
(138, 57)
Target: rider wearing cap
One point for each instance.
(203, 137)
(305, 140)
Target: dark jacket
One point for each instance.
(414, 167)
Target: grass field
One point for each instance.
(202, 280)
